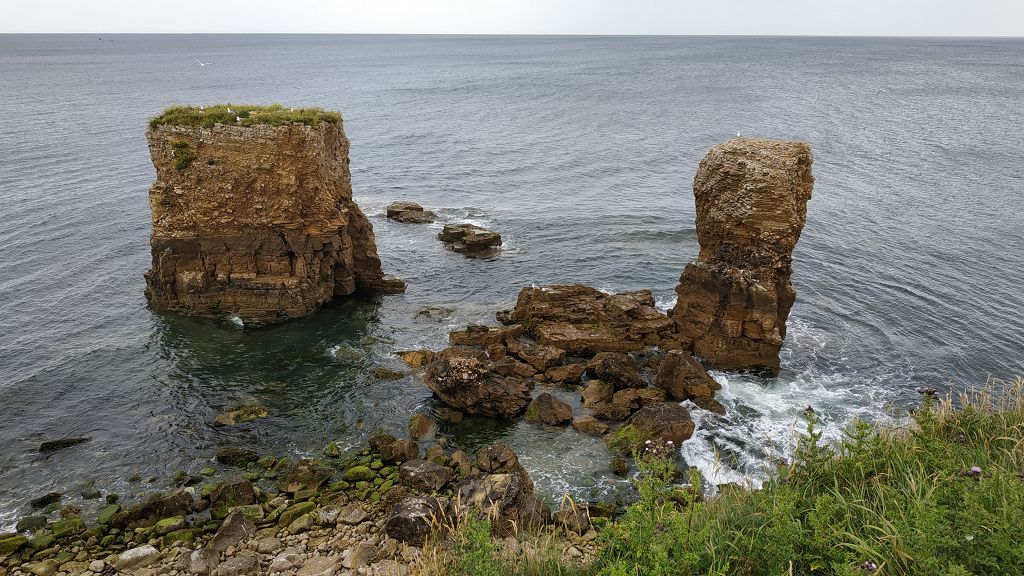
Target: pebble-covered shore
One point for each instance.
(337, 515)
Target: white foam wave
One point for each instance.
(764, 416)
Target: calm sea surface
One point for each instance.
(581, 152)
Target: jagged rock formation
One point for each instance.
(256, 220)
(583, 320)
(733, 301)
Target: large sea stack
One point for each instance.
(253, 214)
(733, 301)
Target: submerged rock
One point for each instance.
(256, 221)
(409, 213)
(54, 445)
(240, 415)
(733, 301)
(470, 239)
(583, 321)
(235, 456)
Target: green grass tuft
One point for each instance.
(183, 155)
(242, 115)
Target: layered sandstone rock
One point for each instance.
(584, 321)
(733, 301)
(256, 220)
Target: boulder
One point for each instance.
(708, 403)
(573, 517)
(546, 409)
(409, 213)
(234, 492)
(733, 301)
(421, 426)
(583, 321)
(303, 475)
(235, 528)
(412, 519)
(617, 368)
(255, 220)
(235, 456)
(239, 566)
(510, 367)
(589, 425)
(566, 373)
(424, 475)
(135, 558)
(319, 566)
(155, 508)
(461, 378)
(31, 523)
(416, 358)
(683, 377)
(504, 493)
(399, 451)
(470, 239)
(666, 421)
(596, 393)
(46, 499)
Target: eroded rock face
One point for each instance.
(583, 321)
(256, 221)
(733, 301)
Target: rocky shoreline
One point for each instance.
(380, 511)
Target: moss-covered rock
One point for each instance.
(293, 512)
(10, 543)
(359, 474)
(183, 536)
(67, 527)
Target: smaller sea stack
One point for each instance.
(733, 301)
(253, 214)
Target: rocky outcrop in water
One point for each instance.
(256, 220)
(409, 213)
(470, 239)
(465, 379)
(733, 301)
(583, 320)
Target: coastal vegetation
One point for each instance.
(941, 493)
(242, 115)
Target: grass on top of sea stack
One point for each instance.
(242, 115)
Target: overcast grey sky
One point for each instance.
(822, 17)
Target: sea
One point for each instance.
(581, 152)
